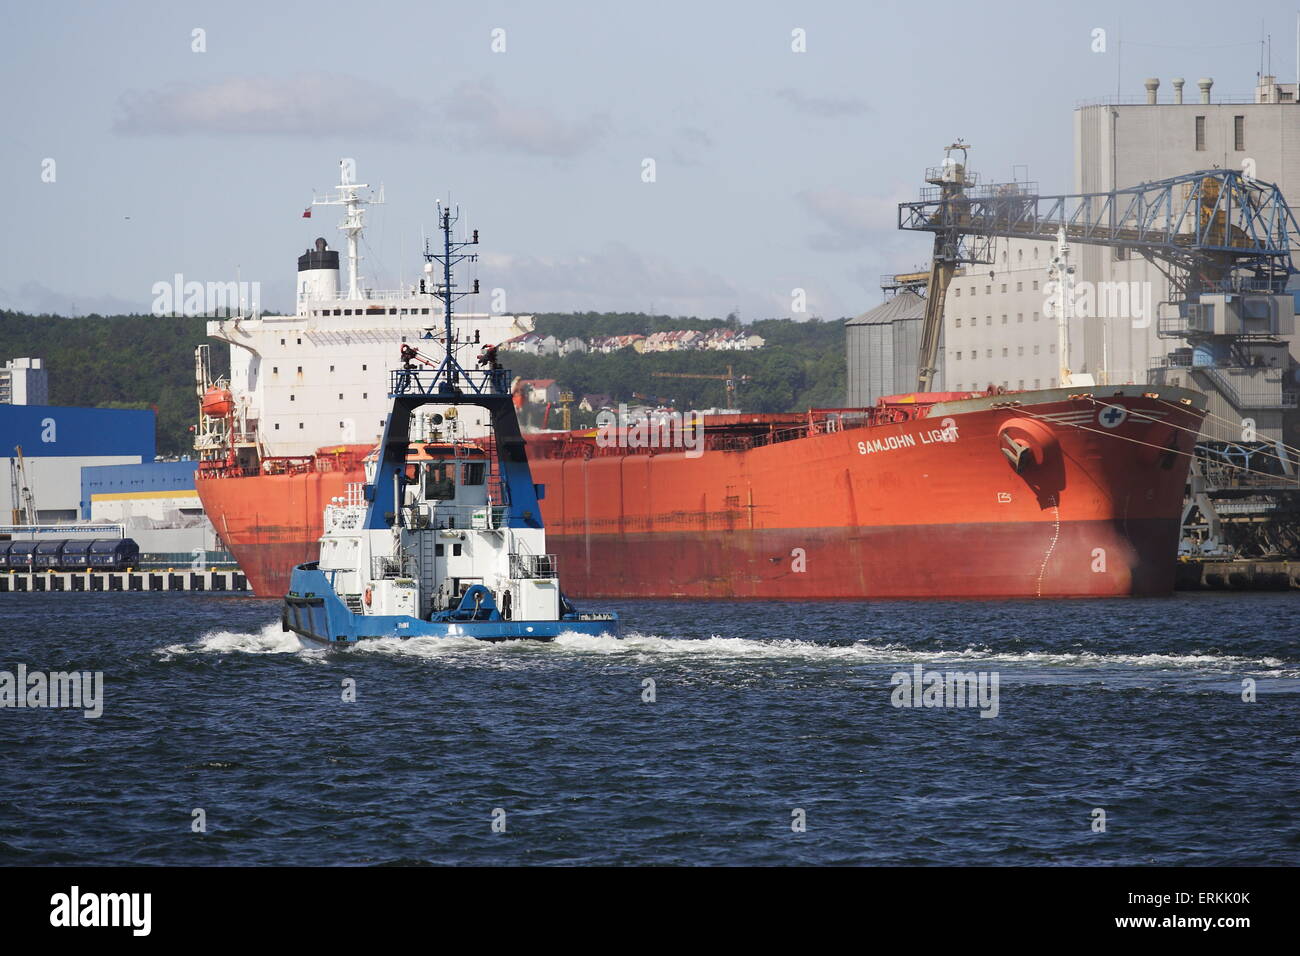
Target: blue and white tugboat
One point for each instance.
(445, 536)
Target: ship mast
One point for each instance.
(452, 254)
(347, 196)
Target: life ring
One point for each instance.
(367, 597)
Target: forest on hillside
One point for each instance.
(118, 361)
(146, 361)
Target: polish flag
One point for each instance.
(306, 213)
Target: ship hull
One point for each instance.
(314, 612)
(272, 523)
(976, 560)
(928, 508)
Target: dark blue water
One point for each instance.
(761, 710)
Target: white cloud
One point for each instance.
(303, 104)
(496, 121)
(828, 107)
(322, 104)
(850, 221)
(613, 278)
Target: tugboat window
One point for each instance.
(474, 473)
(439, 482)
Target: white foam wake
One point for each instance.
(272, 640)
(746, 648)
(269, 640)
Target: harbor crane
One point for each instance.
(1216, 231)
(731, 379)
(22, 500)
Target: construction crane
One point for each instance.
(22, 500)
(731, 380)
(565, 402)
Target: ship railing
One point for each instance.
(533, 566)
(287, 465)
(355, 495)
(392, 566)
(369, 295)
(427, 381)
(218, 468)
(442, 516)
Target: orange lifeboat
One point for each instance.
(218, 402)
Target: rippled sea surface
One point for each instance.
(763, 715)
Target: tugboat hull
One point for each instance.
(316, 614)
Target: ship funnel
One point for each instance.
(1152, 85)
(1205, 84)
(1178, 82)
(318, 274)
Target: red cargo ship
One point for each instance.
(1064, 492)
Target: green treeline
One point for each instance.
(118, 361)
(144, 361)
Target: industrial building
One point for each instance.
(56, 442)
(998, 329)
(24, 381)
(1122, 144)
(65, 466)
(155, 502)
(882, 348)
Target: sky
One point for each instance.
(782, 134)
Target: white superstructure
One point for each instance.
(450, 538)
(320, 377)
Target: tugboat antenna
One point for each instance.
(452, 254)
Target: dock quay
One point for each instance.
(1238, 574)
(131, 579)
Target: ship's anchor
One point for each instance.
(1025, 443)
(1015, 452)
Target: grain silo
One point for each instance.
(882, 349)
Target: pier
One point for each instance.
(1238, 574)
(132, 579)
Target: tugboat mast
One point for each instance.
(450, 370)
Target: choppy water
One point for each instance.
(760, 711)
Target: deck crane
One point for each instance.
(731, 379)
(1223, 240)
